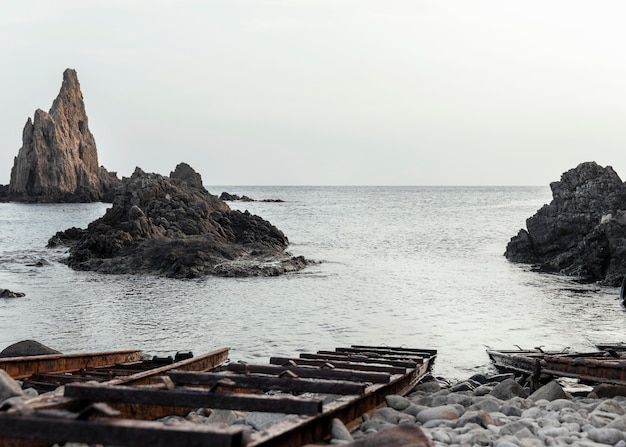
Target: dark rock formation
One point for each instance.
(173, 226)
(235, 198)
(6, 293)
(27, 348)
(582, 232)
(58, 160)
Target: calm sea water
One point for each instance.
(402, 266)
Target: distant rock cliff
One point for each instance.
(174, 227)
(58, 160)
(582, 232)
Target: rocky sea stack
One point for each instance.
(582, 232)
(58, 160)
(173, 226)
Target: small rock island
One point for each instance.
(173, 226)
(582, 232)
(157, 224)
(58, 160)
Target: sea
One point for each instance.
(417, 267)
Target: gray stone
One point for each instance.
(414, 409)
(533, 413)
(480, 417)
(405, 435)
(228, 417)
(550, 391)
(396, 402)
(444, 412)
(559, 404)
(428, 387)
(606, 435)
(610, 406)
(488, 403)
(618, 423)
(507, 389)
(511, 410)
(386, 414)
(338, 431)
(260, 421)
(8, 386)
(459, 399)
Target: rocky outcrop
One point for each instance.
(175, 227)
(58, 160)
(582, 232)
(27, 348)
(235, 198)
(6, 293)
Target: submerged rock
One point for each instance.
(175, 227)
(6, 293)
(27, 348)
(582, 232)
(58, 160)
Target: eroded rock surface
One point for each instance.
(582, 232)
(58, 160)
(175, 227)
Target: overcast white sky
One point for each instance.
(328, 92)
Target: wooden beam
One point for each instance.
(118, 432)
(285, 361)
(427, 352)
(312, 373)
(265, 383)
(22, 367)
(203, 362)
(184, 397)
(334, 357)
(349, 352)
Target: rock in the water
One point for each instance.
(174, 227)
(58, 160)
(6, 293)
(26, 348)
(582, 232)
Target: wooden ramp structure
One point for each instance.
(48, 372)
(603, 366)
(306, 392)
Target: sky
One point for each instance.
(328, 92)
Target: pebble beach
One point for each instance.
(494, 411)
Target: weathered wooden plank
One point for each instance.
(22, 367)
(334, 357)
(118, 432)
(204, 362)
(313, 373)
(265, 383)
(184, 397)
(284, 361)
(375, 355)
(426, 352)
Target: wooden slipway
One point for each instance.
(604, 366)
(310, 391)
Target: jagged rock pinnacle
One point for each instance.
(58, 160)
